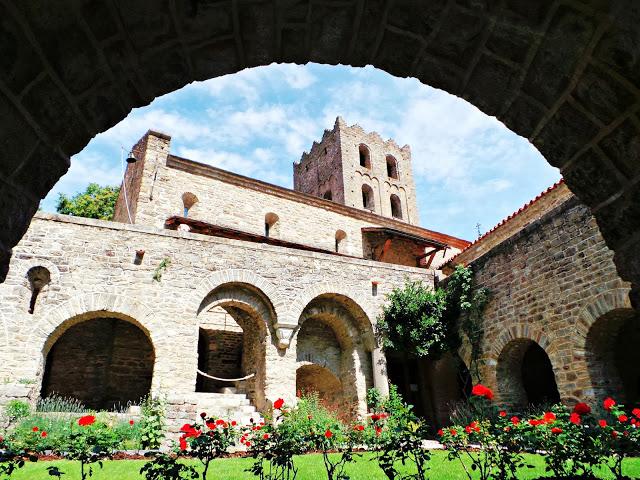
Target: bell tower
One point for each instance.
(359, 169)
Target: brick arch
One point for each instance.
(602, 304)
(568, 79)
(240, 276)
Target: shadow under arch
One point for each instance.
(525, 375)
(613, 358)
(103, 359)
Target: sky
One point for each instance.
(469, 168)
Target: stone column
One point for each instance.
(379, 364)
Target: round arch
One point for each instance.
(569, 76)
(103, 359)
(525, 375)
(240, 276)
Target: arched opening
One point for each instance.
(613, 357)
(39, 277)
(341, 235)
(396, 207)
(336, 334)
(392, 167)
(367, 198)
(364, 156)
(525, 375)
(315, 379)
(188, 201)
(104, 362)
(234, 320)
(436, 388)
(271, 225)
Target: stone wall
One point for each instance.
(233, 201)
(93, 271)
(549, 284)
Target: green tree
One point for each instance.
(95, 202)
(411, 322)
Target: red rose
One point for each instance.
(86, 420)
(468, 429)
(636, 412)
(575, 418)
(581, 408)
(278, 404)
(265, 436)
(503, 413)
(131, 422)
(534, 423)
(248, 444)
(360, 428)
(328, 434)
(211, 425)
(233, 423)
(482, 391)
(183, 443)
(203, 415)
(515, 420)
(219, 422)
(375, 417)
(556, 430)
(608, 403)
(549, 417)
(602, 423)
(43, 434)
(614, 434)
(453, 431)
(34, 429)
(623, 418)
(440, 433)
(378, 430)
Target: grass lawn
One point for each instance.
(310, 468)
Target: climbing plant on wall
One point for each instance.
(423, 322)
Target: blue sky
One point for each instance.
(469, 168)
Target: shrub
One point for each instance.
(166, 467)
(208, 439)
(14, 411)
(152, 424)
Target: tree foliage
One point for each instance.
(423, 322)
(95, 202)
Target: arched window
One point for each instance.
(328, 195)
(340, 236)
(188, 201)
(396, 207)
(365, 156)
(271, 224)
(367, 198)
(39, 277)
(392, 167)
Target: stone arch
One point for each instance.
(103, 359)
(568, 76)
(241, 276)
(251, 310)
(354, 298)
(396, 206)
(313, 378)
(525, 374)
(605, 302)
(368, 198)
(364, 155)
(49, 324)
(392, 167)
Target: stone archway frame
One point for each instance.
(596, 308)
(605, 302)
(51, 324)
(519, 331)
(294, 313)
(265, 287)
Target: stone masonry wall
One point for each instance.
(549, 283)
(233, 201)
(93, 274)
